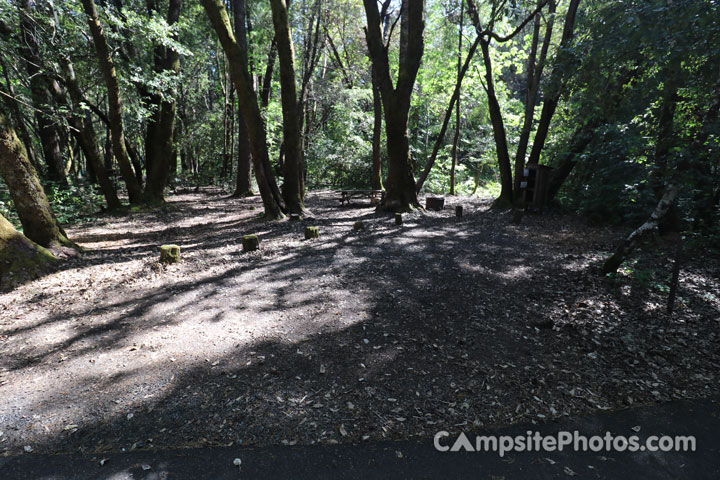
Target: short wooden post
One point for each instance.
(311, 232)
(458, 211)
(359, 225)
(398, 219)
(250, 243)
(169, 254)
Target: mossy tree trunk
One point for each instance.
(237, 59)
(39, 223)
(21, 259)
(18, 117)
(401, 194)
(107, 66)
(292, 184)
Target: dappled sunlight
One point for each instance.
(396, 331)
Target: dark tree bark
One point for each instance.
(107, 66)
(555, 86)
(267, 78)
(535, 67)
(85, 132)
(458, 82)
(314, 42)
(226, 87)
(50, 136)
(347, 80)
(376, 179)
(247, 98)
(160, 156)
(39, 223)
(666, 140)
(243, 181)
(566, 163)
(401, 194)
(486, 35)
(498, 124)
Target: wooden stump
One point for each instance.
(250, 243)
(359, 225)
(434, 203)
(311, 232)
(398, 219)
(458, 211)
(169, 254)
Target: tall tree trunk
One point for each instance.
(535, 67)
(267, 78)
(486, 35)
(114, 102)
(48, 131)
(458, 81)
(555, 85)
(243, 180)
(567, 161)
(496, 118)
(665, 141)
(39, 223)
(292, 189)
(168, 60)
(226, 82)
(314, 42)
(87, 138)
(401, 194)
(247, 98)
(376, 179)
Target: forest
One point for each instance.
(193, 191)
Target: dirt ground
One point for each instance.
(389, 332)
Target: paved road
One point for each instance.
(417, 458)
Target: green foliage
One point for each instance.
(76, 203)
(341, 153)
(630, 51)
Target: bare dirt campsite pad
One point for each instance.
(384, 332)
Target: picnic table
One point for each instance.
(375, 196)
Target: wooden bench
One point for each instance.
(375, 196)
